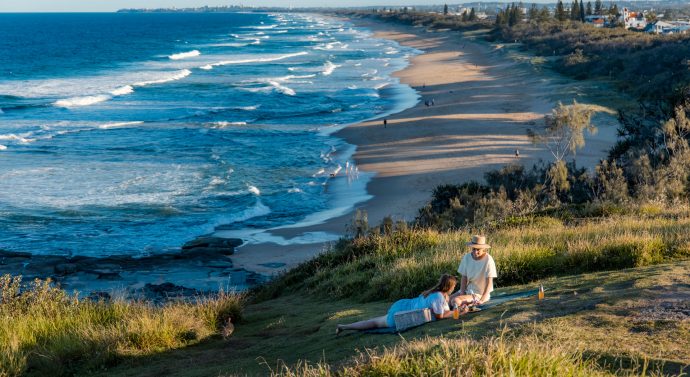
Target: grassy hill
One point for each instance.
(615, 322)
(630, 318)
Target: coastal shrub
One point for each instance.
(404, 263)
(349, 266)
(44, 331)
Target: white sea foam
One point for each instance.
(119, 125)
(259, 209)
(216, 181)
(253, 60)
(328, 68)
(2, 147)
(254, 190)
(229, 44)
(248, 108)
(223, 124)
(20, 138)
(177, 75)
(81, 101)
(294, 190)
(184, 55)
(121, 91)
(282, 89)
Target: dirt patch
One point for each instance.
(664, 311)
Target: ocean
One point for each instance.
(132, 133)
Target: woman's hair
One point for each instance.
(445, 284)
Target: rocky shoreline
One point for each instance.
(201, 266)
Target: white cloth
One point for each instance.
(476, 272)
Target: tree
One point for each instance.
(589, 8)
(473, 15)
(562, 136)
(513, 15)
(575, 10)
(564, 132)
(445, 9)
(560, 11)
(464, 16)
(533, 13)
(544, 15)
(598, 7)
(582, 12)
(613, 11)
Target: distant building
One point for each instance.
(672, 27)
(633, 20)
(596, 20)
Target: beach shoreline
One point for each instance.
(484, 102)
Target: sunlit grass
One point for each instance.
(45, 331)
(405, 262)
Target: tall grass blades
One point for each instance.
(44, 331)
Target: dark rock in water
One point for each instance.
(14, 254)
(66, 268)
(213, 242)
(210, 247)
(210, 251)
(165, 291)
(272, 264)
(108, 275)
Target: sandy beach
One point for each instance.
(483, 104)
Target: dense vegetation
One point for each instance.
(650, 67)
(46, 332)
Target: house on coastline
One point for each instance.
(596, 20)
(633, 20)
(671, 27)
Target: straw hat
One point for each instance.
(478, 242)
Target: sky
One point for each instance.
(113, 5)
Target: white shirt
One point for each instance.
(477, 271)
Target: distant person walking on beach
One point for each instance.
(385, 122)
(435, 299)
(517, 153)
(478, 272)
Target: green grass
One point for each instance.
(44, 331)
(597, 323)
(408, 261)
(604, 278)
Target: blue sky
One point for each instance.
(112, 5)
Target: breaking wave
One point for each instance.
(184, 55)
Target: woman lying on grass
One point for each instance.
(435, 299)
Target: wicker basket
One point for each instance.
(411, 318)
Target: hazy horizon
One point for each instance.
(111, 6)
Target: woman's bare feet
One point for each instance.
(338, 330)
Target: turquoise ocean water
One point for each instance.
(133, 133)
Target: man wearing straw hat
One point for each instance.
(478, 271)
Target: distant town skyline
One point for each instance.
(111, 6)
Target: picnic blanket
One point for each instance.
(495, 301)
